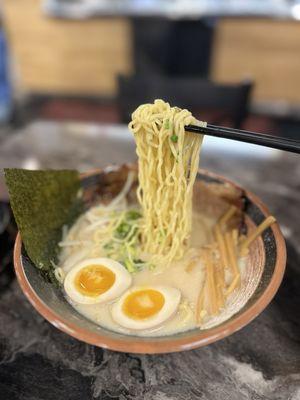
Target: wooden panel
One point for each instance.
(266, 50)
(54, 55)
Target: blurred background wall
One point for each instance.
(266, 50)
(66, 56)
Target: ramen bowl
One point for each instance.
(266, 266)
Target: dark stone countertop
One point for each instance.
(262, 361)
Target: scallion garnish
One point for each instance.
(174, 138)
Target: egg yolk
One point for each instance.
(94, 280)
(143, 304)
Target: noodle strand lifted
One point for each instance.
(168, 159)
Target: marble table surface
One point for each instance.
(262, 361)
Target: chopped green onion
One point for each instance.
(133, 265)
(129, 266)
(167, 124)
(133, 214)
(122, 246)
(139, 263)
(108, 246)
(122, 230)
(174, 138)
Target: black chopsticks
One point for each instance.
(247, 136)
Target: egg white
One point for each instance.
(172, 299)
(122, 282)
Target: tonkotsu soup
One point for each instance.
(149, 262)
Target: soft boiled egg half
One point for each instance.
(96, 280)
(145, 307)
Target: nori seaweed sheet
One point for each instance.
(42, 202)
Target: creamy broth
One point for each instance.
(189, 283)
